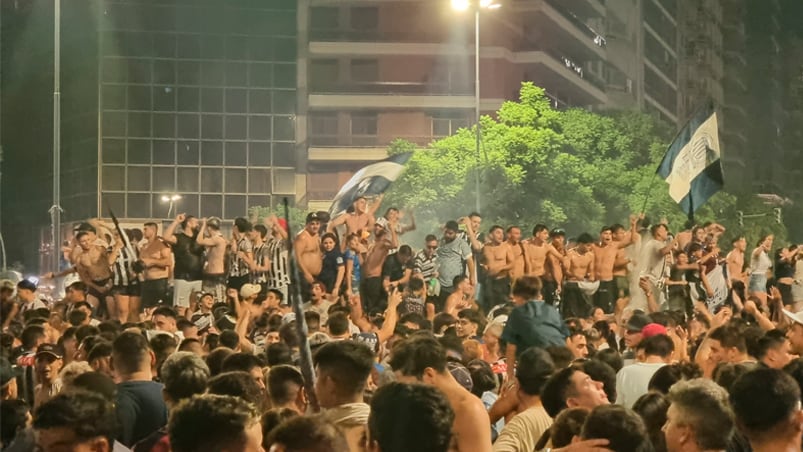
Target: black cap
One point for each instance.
(313, 216)
(8, 372)
(556, 232)
(49, 349)
(26, 284)
(637, 321)
(84, 227)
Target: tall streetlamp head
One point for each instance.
(460, 5)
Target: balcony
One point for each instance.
(559, 74)
(390, 88)
(341, 148)
(549, 24)
(349, 35)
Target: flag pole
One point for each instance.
(307, 369)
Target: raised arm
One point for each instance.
(202, 239)
(169, 235)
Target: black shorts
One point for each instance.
(154, 293)
(95, 293)
(606, 295)
(133, 289)
(786, 294)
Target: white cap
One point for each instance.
(249, 290)
(794, 316)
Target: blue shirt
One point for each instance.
(534, 324)
(355, 268)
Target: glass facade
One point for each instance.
(197, 98)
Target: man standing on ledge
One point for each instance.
(307, 246)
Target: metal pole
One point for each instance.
(55, 210)
(477, 101)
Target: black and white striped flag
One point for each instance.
(370, 180)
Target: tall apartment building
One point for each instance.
(643, 42)
(371, 72)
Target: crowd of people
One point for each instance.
(186, 339)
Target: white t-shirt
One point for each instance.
(632, 382)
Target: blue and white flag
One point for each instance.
(692, 165)
(369, 181)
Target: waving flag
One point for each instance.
(692, 165)
(371, 180)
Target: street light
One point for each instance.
(477, 5)
(170, 198)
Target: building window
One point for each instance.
(324, 18)
(364, 70)
(363, 124)
(284, 181)
(364, 18)
(323, 73)
(323, 124)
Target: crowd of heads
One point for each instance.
(184, 338)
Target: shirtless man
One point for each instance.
(536, 251)
(307, 246)
(553, 277)
(605, 253)
(371, 290)
(621, 263)
(422, 359)
(498, 260)
(214, 275)
(157, 258)
(735, 260)
(359, 220)
(462, 297)
(517, 249)
(93, 264)
(579, 265)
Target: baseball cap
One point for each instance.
(26, 284)
(288, 318)
(556, 232)
(214, 222)
(638, 321)
(461, 374)
(7, 284)
(794, 316)
(8, 372)
(652, 329)
(49, 349)
(249, 290)
(317, 339)
(313, 216)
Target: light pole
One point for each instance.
(55, 209)
(172, 199)
(477, 5)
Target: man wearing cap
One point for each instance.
(214, 273)
(8, 380)
(632, 380)
(307, 246)
(47, 365)
(452, 255)
(633, 337)
(26, 292)
(795, 331)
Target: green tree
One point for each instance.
(573, 168)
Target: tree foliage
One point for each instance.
(575, 169)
